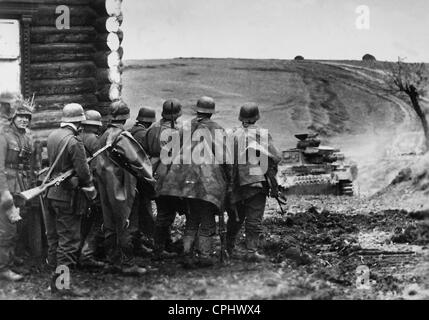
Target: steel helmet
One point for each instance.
(146, 115)
(73, 112)
(93, 118)
(120, 111)
(23, 110)
(171, 109)
(205, 105)
(249, 112)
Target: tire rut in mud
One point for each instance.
(328, 247)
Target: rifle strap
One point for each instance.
(63, 148)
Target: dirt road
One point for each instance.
(319, 251)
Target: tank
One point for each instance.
(312, 169)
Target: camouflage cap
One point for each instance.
(120, 111)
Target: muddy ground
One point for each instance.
(318, 251)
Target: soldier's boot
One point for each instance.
(58, 290)
(252, 250)
(140, 250)
(87, 260)
(9, 275)
(232, 229)
(206, 249)
(133, 270)
(188, 252)
(128, 264)
(230, 243)
(160, 237)
(17, 261)
(91, 263)
(173, 247)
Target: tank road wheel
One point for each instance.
(346, 188)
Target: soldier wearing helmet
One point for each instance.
(16, 170)
(167, 207)
(250, 189)
(203, 185)
(63, 220)
(142, 221)
(117, 193)
(92, 236)
(145, 118)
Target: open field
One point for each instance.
(316, 251)
(345, 101)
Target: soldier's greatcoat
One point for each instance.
(116, 182)
(139, 132)
(206, 181)
(152, 144)
(247, 181)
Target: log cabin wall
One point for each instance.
(81, 64)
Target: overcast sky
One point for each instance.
(316, 29)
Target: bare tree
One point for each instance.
(411, 79)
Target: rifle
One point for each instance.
(37, 191)
(222, 234)
(276, 196)
(172, 118)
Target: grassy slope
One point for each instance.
(343, 100)
(293, 96)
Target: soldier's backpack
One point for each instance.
(127, 153)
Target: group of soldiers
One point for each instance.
(102, 216)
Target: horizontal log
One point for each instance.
(107, 59)
(107, 7)
(113, 24)
(103, 76)
(61, 52)
(107, 76)
(66, 86)
(57, 102)
(109, 41)
(79, 16)
(48, 35)
(62, 70)
(108, 92)
(41, 134)
(46, 119)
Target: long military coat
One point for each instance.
(205, 181)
